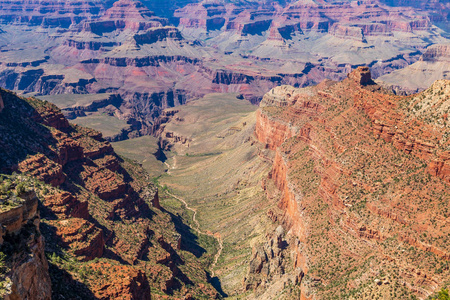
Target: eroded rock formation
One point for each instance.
(98, 210)
(23, 265)
(357, 184)
(154, 61)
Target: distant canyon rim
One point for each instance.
(153, 56)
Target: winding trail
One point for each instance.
(197, 225)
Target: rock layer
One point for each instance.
(98, 208)
(348, 188)
(24, 266)
(154, 62)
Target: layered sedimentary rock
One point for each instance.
(124, 48)
(358, 184)
(123, 15)
(437, 53)
(24, 267)
(97, 208)
(270, 263)
(256, 18)
(439, 10)
(49, 13)
(432, 65)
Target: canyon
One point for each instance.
(106, 234)
(187, 49)
(197, 149)
(360, 179)
(344, 188)
(334, 190)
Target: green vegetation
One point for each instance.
(5, 281)
(219, 174)
(443, 294)
(12, 189)
(142, 150)
(107, 125)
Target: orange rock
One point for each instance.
(363, 175)
(43, 169)
(65, 205)
(123, 282)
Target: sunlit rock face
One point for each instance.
(159, 54)
(338, 150)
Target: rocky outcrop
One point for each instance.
(255, 19)
(24, 267)
(50, 13)
(43, 169)
(317, 178)
(127, 281)
(437, 53)
(438, 10)
(75, 111)
(29, 277)
(98, 208)
(348, 32)
(361, 76)
(154, 35)
(269, 263)
(65, 204)
(83, 238)
(207, 52)
(270, 132)
(14, 219)
(125, 15)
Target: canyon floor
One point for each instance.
(217, 171)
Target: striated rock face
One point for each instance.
(125, 15)
(440, 9)
(433, 65)
(64, 204)
(30, 279)
(50, 13)
(271, 133)
(269, 263)
(352, 182)
(437, 53)
(361, 76)
(43, 169)
(157, 35)
(24, 269)
(256, 18)
(349, 32)
(99, 211)
(245, 47)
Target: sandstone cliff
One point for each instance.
(361, 183)
(99, 211)
(24, 269)
(160, 60)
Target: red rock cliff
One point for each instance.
(24, 270)
(97, 207)
(354, 175)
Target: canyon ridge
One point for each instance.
(190, 149)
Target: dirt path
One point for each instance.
(197, 225)
(168, 167)
(174, 165)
